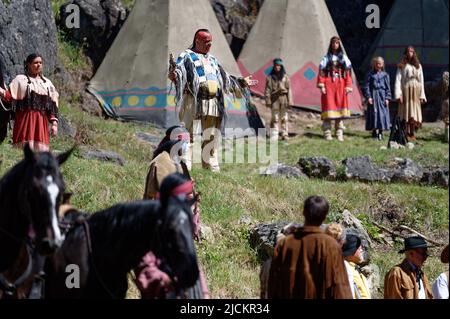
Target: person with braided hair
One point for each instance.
(335, 83)
(35, 103)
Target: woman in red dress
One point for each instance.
(335, 82)
(35, 102)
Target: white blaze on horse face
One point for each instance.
(53, 191)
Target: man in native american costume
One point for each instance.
(35, 103)
(335, 82)
(201, 85)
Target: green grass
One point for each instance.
(230, 264)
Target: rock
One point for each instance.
(409, 145)
(64, 127)
(394, 145)
(435, 177)
(361, 168)
(354, 226)
(372, 273)
(281, 170)
(100, 22)
(236, 17)
(206, 233)
(90, 104)
(309, 126)
(106, 156)
(152, 139)
(263, 237)
(27, 26)
(320, 167)
(383, 148)
(408, 172)
(245, 220)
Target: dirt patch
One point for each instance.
(386, 210)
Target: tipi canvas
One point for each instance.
(420, 23)
(131, 83)
(298, 32)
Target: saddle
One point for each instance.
(70, 217)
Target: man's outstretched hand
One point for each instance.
(249, 81)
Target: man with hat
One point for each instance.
(278, 95)
(407, 280)
(352, 252)
(440, 286)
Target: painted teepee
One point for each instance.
(131, 83)
(420, 23)
(298, 32)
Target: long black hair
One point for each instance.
(30, 58)
(339, 50)
(278, 75)
(173, 133)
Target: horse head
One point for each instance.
(43, 194)
(177, 243)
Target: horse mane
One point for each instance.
(14, 175)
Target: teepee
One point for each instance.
(420, 23)
(131, 83)
(298, 32)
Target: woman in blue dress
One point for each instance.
(377, 91)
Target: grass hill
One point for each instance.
(230, 264)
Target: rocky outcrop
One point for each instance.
(354, 226)
(319, 167)
(105, 156)
(236, 19)
(435, 176)
(281, 170)
(404, 170)
(65, 128)
(361, 168)
(100, 22)
(407, 172)
(27, 26)
(263, 237)
(152, 139)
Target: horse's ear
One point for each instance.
(61, 158)
(28, 152)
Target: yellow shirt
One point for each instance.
(360, 285)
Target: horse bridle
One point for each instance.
(36, 265)
(85, 224)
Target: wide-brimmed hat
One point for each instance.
(414, 242)
(351, 245)
(444, 255)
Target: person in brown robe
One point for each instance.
(308, 264)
